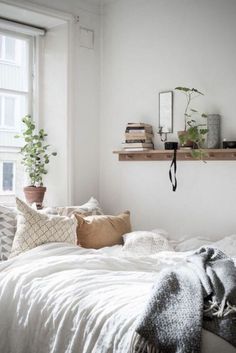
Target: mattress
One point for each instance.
(59, 298)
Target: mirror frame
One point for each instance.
(171, 109)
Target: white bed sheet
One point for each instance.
(59, 298)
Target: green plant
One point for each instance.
(34, 152)
(194, 131)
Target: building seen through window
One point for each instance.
(15, 101)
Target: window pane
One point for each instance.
(16, 76)
(16, 64)
(7, 177)
(9, 112)
(10, 49)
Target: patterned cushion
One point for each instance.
(35, 228)
(90, 208)
(7, 230)
(143, 243)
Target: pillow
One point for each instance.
(35, 228)
(142, 243)
(45, 210)
(90, 208)
(100, 231)
(7, 230)
(189, 244)
(227, 245)
(8, 222)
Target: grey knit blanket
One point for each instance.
(201, 294)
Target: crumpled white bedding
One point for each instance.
(59, 298)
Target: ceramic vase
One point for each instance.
(213, 135)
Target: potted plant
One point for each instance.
(194, 133)
(35, 158)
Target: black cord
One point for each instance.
(172, 176)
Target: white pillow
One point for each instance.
(143, 243)
(90, 208)
(227, 245)
(189, 244)
(35, 228)
(7, 230)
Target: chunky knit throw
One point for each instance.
(185, 299)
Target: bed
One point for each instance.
(61, 298)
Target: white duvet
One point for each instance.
(59, 298)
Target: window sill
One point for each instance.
(7, 193)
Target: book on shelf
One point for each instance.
(138, 136)
(138, 149)
(137, 144)
(138, 141)
(138, 125)
(138, 130)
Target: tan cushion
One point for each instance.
(35, 228)
(100, 231)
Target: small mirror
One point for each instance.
(166, 112)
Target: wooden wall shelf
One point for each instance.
(182, 155)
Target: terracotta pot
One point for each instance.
(35, 194)
(186, 144)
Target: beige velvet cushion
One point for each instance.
(35, 228)
(100, 231)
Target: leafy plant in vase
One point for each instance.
(35, 157)
(194, 133)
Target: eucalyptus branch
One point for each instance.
(34, 152)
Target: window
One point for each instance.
(8, 111)
(7, 177)
(16, 82)
(8, 49)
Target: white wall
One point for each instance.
(86, 122)
(152, 46)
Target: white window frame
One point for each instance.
(31, 76)
(12, 192)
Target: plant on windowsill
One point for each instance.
(35, 157)
(194, 133)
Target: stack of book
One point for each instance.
(138, 137)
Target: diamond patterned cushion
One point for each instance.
(35, 228)
(7, 230)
